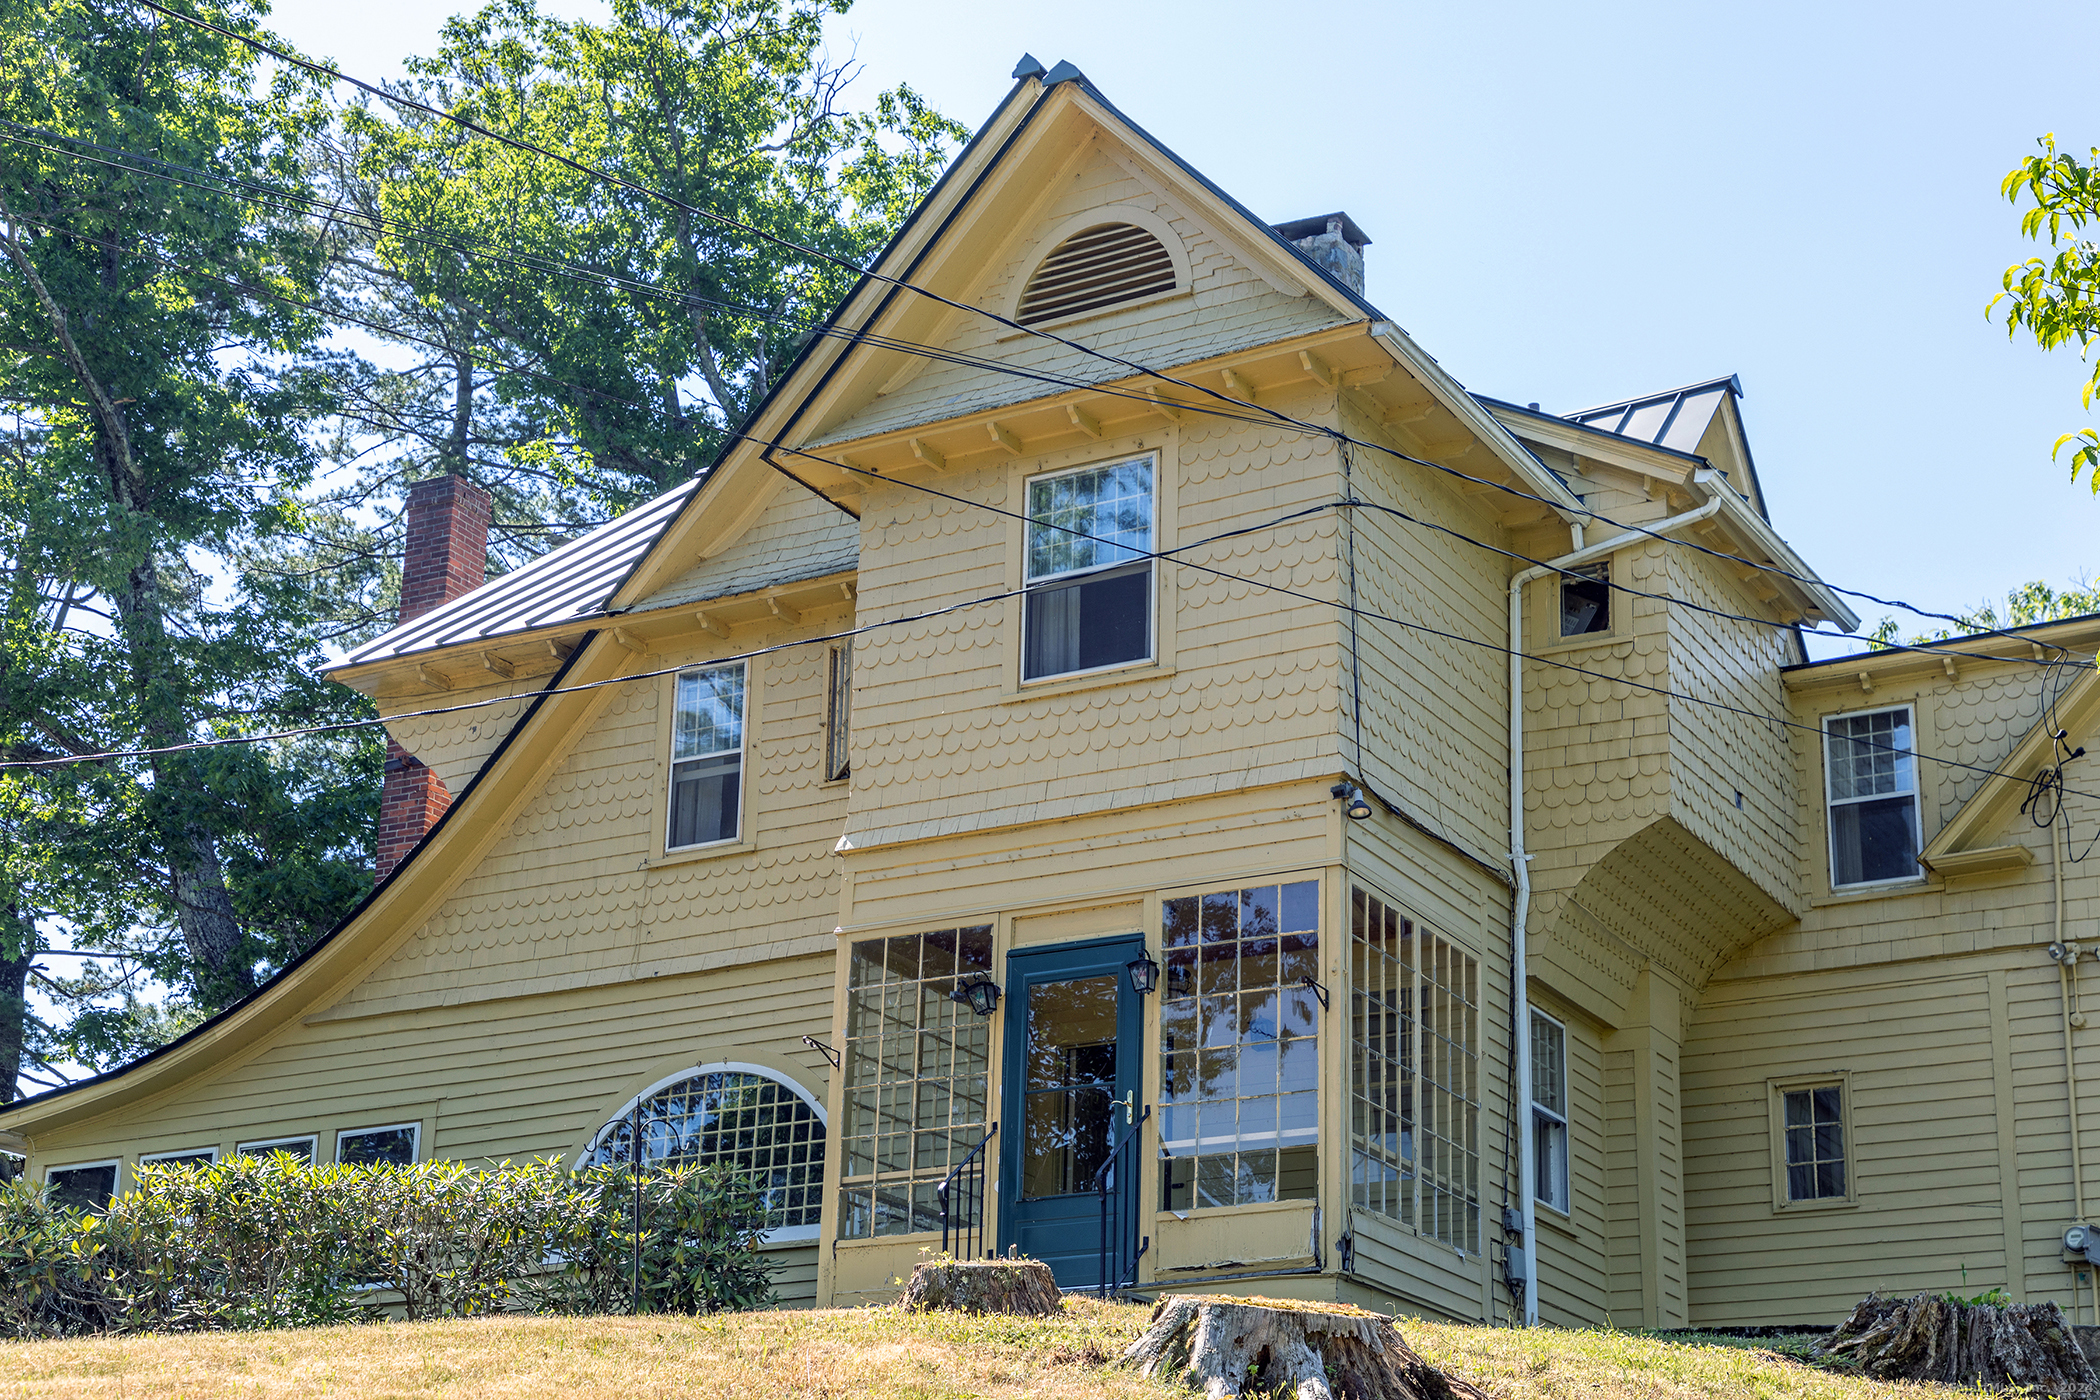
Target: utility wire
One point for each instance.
(870, 273)
(586, 275)
(1168, 556)
(831, 330)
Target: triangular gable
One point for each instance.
(1967, 843)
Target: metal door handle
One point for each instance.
(1128, 1103)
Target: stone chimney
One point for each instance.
(1334, 242)
(446, 555)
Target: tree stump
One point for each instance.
(1230, 1345)
(2023, 1346)
(1022, 1286)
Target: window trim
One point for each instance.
(1566, 1206)
(414, 1128)
(255, 1147)
(210, 1154)
(116, 1178)
(1830, 804)
(742, 838)
(1148, 562)
(1776, 1090)
(780, 1235)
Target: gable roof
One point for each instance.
(569, 584)
(1675, 418)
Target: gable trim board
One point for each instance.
(396, 908)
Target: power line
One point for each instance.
(1167, 556)
(902, 284)
(829, 329)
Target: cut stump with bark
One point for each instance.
(2020, 1346)
(1021, 1286)
(1230, 1346)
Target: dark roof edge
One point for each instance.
(1853, 658)
(816, 337)
(1733, 383)
(1605, 433)
(539, 698)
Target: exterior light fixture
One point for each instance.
(1355, 805)
(980, 992)
(1144, 974)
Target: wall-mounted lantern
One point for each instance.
(1144, 974)
(981, 993)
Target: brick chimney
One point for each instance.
(446, 555)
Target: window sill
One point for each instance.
(1240, 1212)
(686, 854)
(846, 781)
(1924, 884)
(1092, 680)
(1555, 1219)
(1798, 1207)
(1588, 641)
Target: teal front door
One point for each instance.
(1072, 1076)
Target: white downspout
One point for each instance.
(1520, 1009)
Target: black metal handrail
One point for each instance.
(969, 1230)
(1118, 1210)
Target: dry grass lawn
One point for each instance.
(880, 1354)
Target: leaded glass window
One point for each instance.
(917, 1067)
(1239, 1046)
(1414, 1075)
(761, 1127)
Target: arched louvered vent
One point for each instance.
(1097, 267)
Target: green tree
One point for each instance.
(150, 332)
(2024, 606)
(2057, 299)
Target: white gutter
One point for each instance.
(1520, 1009)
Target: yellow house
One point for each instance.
(1126, 759)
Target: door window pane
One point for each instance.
(1068, 1082)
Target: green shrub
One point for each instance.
(275, 1242)
(700, 1229)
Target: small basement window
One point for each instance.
(187, 1157)
(1095, 268)
(1585, 601)
(301, 1148)
(1088, 604)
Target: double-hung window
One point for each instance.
(707, 757)
(1872, 777)
(1549, 1111)
(1088, 570)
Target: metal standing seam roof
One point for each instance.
(1676, 418)
(568, 584)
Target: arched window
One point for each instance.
(739, 1114)
(1097, 267)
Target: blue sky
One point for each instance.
(1575, 204)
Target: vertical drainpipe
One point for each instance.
(1520, 861)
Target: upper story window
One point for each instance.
(1089, 580)
(1095, 268)
(1872, 776)
(1585, 601)
(838, 713)
(707, 757)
